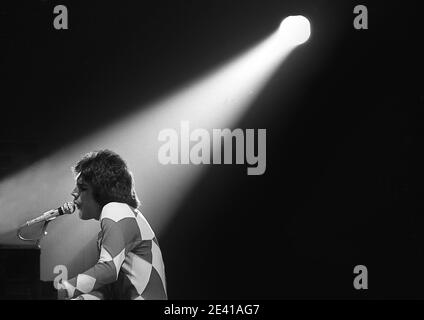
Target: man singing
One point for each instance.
(130, 264)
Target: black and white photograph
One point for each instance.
(211, 150)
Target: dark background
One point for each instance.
(342, 184)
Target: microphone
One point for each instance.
(67, 208)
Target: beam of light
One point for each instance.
(216, 100)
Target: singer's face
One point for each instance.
(87, 207)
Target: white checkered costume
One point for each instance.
(130, 264)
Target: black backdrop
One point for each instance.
(342, 184)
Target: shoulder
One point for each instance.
(116, 211)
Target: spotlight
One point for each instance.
(295, 29)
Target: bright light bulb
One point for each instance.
(295, 29)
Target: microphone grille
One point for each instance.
(68, 208)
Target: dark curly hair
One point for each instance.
(108, 175)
